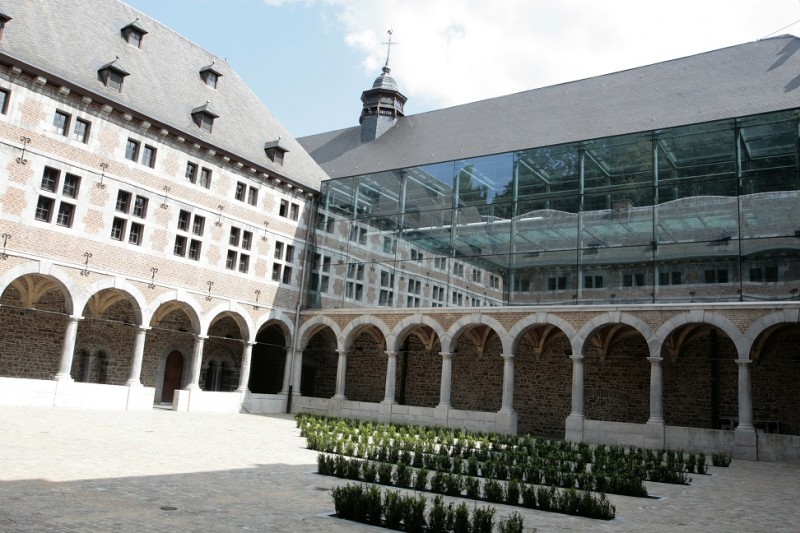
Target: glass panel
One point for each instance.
(625, 219)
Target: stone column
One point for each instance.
(656, 390)
(298, 372)
(197, 361)
(508, 382)
(577, 386)
(244, 371)
(341, 369)
(68, 349)
(745, 395)
(447, 379)
(134, 380)
(391, 376)
(287, 365)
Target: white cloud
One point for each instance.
(456, 51)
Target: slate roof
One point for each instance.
(70, 40)
(741, 80)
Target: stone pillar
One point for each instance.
(745, 395)
(656, 390)
(391, 376)
(197, 361)
(447, 378)
(298, 373)
(287, 365)
(68, 349)
(134, 380)
(574, 423)
(577, 386)
(508, 383)
(244, 372)
(341, 369)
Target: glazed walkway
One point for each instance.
(68, 470)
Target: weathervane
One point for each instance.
(388, 44)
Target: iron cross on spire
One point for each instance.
(388, 44)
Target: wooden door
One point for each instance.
(173, 372)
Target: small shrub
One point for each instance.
(437, 482)
(322, 465)
(414, 513)
(473, 487)
(472, 465)
(511, 524)
(512, 492)
(385, 473)
(721, 459)
(453, 484)
(347, 501)
(691, 461)
(482, 519)
(340, 466)
(369, 472)
(461, 519)
(702, 467)
(545, 498)
(402, 475)
(373, 508)
(529, 496)
(353, 470)
(493, 491)
(440, 517)
(421, 480)
(393, 509)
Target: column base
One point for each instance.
(745, 443)
(654, 434)
(573, 428)
(63, 377)
(133, 383)
(507, 421)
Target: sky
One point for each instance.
(309, 60)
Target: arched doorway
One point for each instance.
(268, 361)
(173, 371)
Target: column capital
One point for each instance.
(74, 318)
(743, 362)
(143, 329)
(446, 355)
(200, 337)
(390, 353)
(577, 358)
(655, 360)
(507, 356)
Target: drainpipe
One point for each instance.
(311, 228)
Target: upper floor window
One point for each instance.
(204, 117)
(47, 203)
(191, 172)
(133, 33)
(149, 156)
(275, 151)
(121, 225)
(289, 210)
(186, 245)
(205, 178)
(81, 130)
(132, 150)
(210, 75)
(61, 122)
(112, 75)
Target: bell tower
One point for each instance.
(382, 105)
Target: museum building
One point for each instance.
(615, 259)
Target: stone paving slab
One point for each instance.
(70, 470)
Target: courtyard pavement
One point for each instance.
(71, 470)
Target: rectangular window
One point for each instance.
(180, 246)
(771, 274)
(140, 207)
(149, 156)
(191, 172)
(388, 245)
(593, 282)
(114, 80)
(294, 211)
(50, 178)
(289, 253)
(247, 239)
(199, 225)
(61, 122)
(44, 209)
(233, 239)
(205, 178)
(4, 96)
(132, 150)
(71, 185)
(194, 249)
(287, 275)
(240, 190)
(210, 78)
(283, 209)
(118, 228)
(276, 271)
(183, 220)
(278, 250)
(252, 196)
(244, 263)
(136, 234)
(230, 261)
(81, 130)
(65, 213)
(123, 201)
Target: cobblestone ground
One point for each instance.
(69, 470)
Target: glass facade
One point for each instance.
(705, 212)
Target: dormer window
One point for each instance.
(275, 151)
(133, 33)
(204, 117)
(3, 19)
(210, 75)
(112, 75)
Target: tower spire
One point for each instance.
(388, 44)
